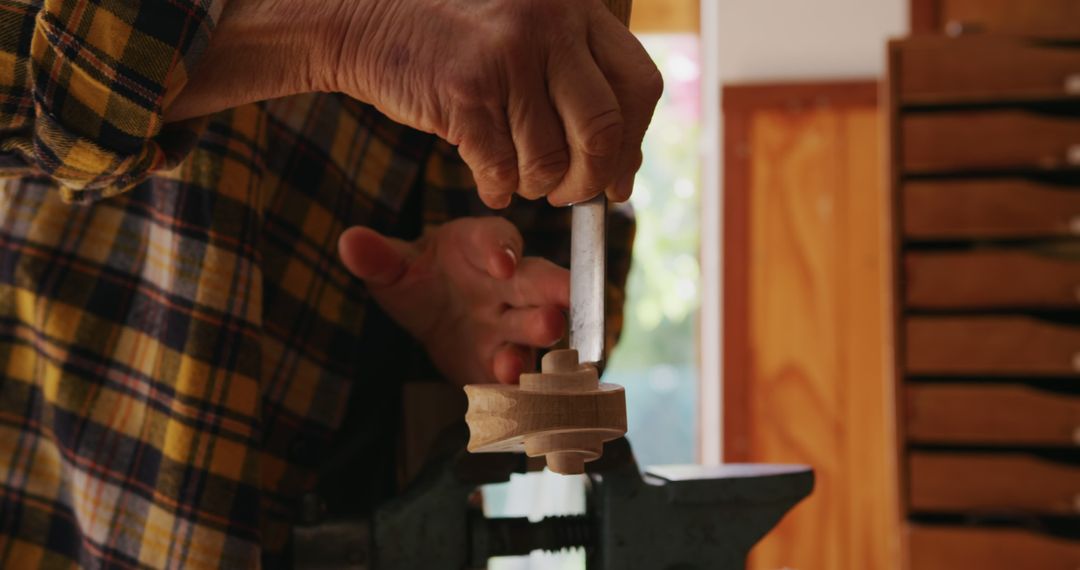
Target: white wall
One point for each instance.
(760, 40)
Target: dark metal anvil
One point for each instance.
(667, 518)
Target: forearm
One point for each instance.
(265, 49)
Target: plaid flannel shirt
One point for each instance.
(177, 360)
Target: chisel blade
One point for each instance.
(588, 264)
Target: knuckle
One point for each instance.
(548, 169)
(502, 171)
(540, 329)
(531, 13)
(472, 85)
(513, 28)
(505, 38)
(467, 90)
(653, 84)
(604, 134)
(547, 327)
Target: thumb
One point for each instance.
(375, 258)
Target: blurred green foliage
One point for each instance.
(656, 359)
(663, 293)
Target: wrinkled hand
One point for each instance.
(465, 291)
(543, 97)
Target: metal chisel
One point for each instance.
(588, 260)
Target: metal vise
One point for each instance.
(669, 518)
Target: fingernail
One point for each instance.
(513, 256)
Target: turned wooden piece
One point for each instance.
(563, 413)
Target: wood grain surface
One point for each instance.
(988, 208)
(991, 278)
(1059, 19)
(984, 155)
(990, 345)
(1046, 19)
(562, 413)
(991, 414)
(812, 387)
(956, 548)
(666, 17)
(942, 70)
(989, 140)
(992, 483)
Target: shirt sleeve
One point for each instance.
(451, 193)
(83, 85)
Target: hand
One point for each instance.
(543, 97)
(465, 291)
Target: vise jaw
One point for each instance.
(667, 518)
(686, 517)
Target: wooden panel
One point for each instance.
(991, 208)
(992, 483)
(1038, 18)
(990, 279)
(1021, 120)
(742, 101)
(991, 414)
(741, 104)
(956, 548)
(897, 338)
(990, 346)
(923, 17)
(977, 69)
(862, 389)
(815, 317)
(665, 16)
(988, 141)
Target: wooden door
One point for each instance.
(806, 373)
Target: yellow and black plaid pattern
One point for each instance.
(177, 361)
(83, 84)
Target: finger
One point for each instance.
(637, 84)
(496, 246)
(539, 327)
(625, 186)
(376, 259)
(509, 362)
(537, 282)
(485, 144)
(593, 122)
(543, 155)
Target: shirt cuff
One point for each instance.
(99, 77)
